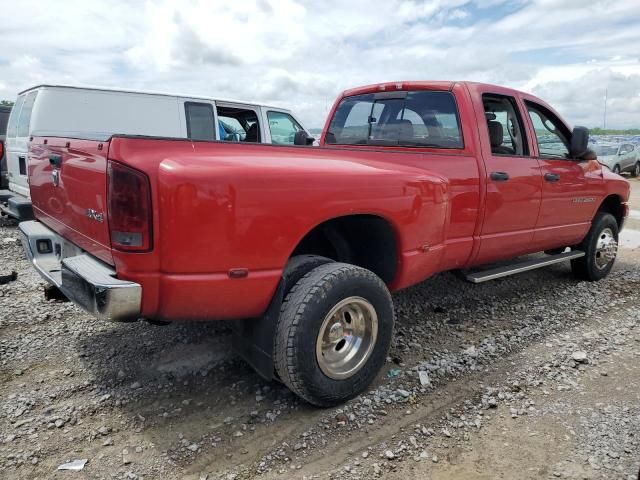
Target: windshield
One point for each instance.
(605, 150)
(415, 119)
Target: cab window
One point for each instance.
(403, 118)
(283, 128)
(551, 134)
(504, 126)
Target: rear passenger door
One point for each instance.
(513, 181)
(628, 158)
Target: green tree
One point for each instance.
(6, 103)
(610, 131)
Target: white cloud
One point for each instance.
(300, 53)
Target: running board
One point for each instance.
(492, 274)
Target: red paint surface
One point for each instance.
(222, 206)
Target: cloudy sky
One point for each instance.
(301, 53)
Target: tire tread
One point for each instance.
(293, 309)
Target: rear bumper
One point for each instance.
(86, 281)
(15, 206)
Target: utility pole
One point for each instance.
(604, 123)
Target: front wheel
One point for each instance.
(636, 170)
(600, 247)
(334, 333)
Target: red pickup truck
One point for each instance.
(301, 245)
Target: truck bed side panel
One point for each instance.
(219, 207)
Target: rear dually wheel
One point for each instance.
(334, 333)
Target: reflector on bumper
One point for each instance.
(85, 280)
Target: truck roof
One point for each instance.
(148, 92)
(419, 85)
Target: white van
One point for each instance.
(84, 112)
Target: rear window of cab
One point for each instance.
(405, 118)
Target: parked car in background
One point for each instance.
(300, 246)
(5, 111)
(83, 112)
(622, 157)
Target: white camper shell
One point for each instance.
(88, 112)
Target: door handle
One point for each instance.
(551, 177)
(499, 176)
(55, 160)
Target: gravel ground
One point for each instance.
(534, 376)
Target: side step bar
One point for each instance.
(499, 272)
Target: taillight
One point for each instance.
(129, 209)
(1, 148)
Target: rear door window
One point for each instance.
(25, 114)
(504, 125)
(283, 128)
(12, 127)
(412, 119)
(200, 121)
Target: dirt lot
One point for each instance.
(534, 376)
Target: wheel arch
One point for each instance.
(614, 205)
(368, 240)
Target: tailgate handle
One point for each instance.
(55, 160)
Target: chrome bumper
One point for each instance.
(86, 281)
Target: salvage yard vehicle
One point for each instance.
(301, 245)
(83, 112)
(619, 158)
(5, 111)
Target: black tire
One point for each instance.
(586, 268)
(636, 170)
(616, 169)
(301, 318)
(298, 267)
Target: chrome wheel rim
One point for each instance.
(346, 338)
(606, 248)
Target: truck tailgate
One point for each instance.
(68, 183)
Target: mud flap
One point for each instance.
(253, 338)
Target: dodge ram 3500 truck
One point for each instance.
(301, 245)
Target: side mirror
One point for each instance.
(579, 141)
(302, 138)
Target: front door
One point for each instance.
(628, 155)
(571, 188)
(513, 181)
